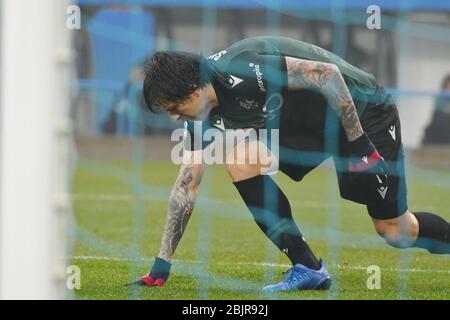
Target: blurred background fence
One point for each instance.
(409, 55)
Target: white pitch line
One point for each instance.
(255, 264)
(129, 198)
(106, 197)
(302, 203)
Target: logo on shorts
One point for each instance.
(392, 131)
(383, 189)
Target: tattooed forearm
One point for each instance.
(181, 204)
(326, 78)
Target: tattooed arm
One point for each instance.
(327, 79)
(181, 204)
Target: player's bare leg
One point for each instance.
(421, 229)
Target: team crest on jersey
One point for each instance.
(249, 104)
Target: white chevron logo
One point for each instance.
(392, 131)
(379, 179)
(382, 191)
(219, 124)
(234, 81)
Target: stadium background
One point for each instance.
(121, 174)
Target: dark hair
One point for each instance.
(173, 76)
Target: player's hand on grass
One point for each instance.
(157, 276)
(365, 158)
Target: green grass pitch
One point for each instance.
(120, 209)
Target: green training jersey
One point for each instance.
(250, 81)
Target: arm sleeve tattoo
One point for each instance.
(327, 79)
(181, 204)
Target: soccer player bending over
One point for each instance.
(322, 106)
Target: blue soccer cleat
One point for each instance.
(300, 277)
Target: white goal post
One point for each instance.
(34, 143)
